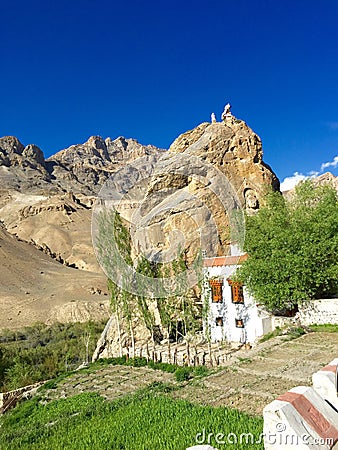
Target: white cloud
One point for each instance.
(333, 163)
(313, 173)
(290, 182)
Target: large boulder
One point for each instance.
(182, 201)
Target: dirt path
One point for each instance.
(263, 373)
(251, 379)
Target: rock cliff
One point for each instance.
(175, 208)
(176, 203)
(48, 202)
(86, 167)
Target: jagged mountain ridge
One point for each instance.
(48, 202)
(81, 168)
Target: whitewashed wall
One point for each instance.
(257, 322)
(319, 312)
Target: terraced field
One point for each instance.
(249, 381)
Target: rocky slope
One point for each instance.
(34, 287)
(47, 203)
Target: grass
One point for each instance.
(288, 333)
(277, 332)
(294, 333)
(245, 360)
(41, 352)
(181, 373)
(328, 327)
(147, 420)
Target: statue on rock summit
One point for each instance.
(226, 114)
(213, 118)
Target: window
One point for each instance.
(236, 292)
(239, 323)
(219, 321)
(216, 290)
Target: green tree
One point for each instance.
(293, 248)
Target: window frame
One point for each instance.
(216, 286)
(237, 292)
(219, 321)
(237, 323)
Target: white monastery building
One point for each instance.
(231, 313)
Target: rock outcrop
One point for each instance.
(176, 209)
(235, 150)
(176, 203)
(22, 168)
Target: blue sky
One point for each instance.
(152, 70)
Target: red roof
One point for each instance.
(219, 261)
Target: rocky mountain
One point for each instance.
(182, 195)
(85, 167)
(81, 168)
(46, 204)
(325, 178)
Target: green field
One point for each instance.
(40, 352)
(147, 420)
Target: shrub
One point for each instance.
(201, 371)
(277, 332)
(183, 373)
(165, 367)
(137, 362)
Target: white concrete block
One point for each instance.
(325, 382)
(300, 419)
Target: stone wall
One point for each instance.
(9, 399)
(322, 311)
(319, 312)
